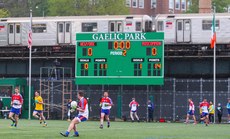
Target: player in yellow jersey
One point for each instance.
(39, 108)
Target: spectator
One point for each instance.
(1, 106)
(228, 107)
(150, 111)
(219, 110)
(211, 110)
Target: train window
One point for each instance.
(89, 27)
(18, 28)
(148, 26)
(39, 28)
(179, 26)
(11, 28)
(60, 26)
(138, 26)
(119, 27)
(207, 24)
(160, 26)
(67, 28)
(112, 26)
(187, 25)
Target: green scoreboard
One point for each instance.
(120, 58)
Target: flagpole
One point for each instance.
(30, 57)
(214, 67)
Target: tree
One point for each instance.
(111, 7)
(4, 13)
(194, 7)
(86, 7)
(61, 7)
(21, 8)
(221, 5)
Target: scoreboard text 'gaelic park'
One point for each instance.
(120, 58)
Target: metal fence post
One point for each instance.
(174, 99)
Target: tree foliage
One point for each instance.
(21, 8)
(86, 7)
(221, 5)
(16, 8)
(194, 7)
(3, 13)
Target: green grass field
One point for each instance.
(118, 130)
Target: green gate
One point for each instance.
(7, 86)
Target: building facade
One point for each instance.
(205, 6)
(154, 7)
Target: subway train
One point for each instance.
(61, 31)
(179, 29)
(193, 29)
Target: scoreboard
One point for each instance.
(119, 58)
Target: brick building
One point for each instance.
(154, 7)
(205, 6)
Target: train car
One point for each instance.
(193, 29)
(61, 31)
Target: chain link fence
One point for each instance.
(170, 100)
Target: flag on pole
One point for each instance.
(213, 38)
(30, 37)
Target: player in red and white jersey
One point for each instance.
(105, 104)
(204, 107)
(133, 105)
(191, 111)
(81, 117)
(16, 105)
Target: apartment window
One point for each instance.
(207, 24)
(183, 4)
(189, 3)
(177, 5)
(153, 4)
(160, 26)
(134, 3)
(39, 28)
(141, 3)
(171, 4)
(89, 27)
(128, 3)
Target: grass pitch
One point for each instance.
(118, 130)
